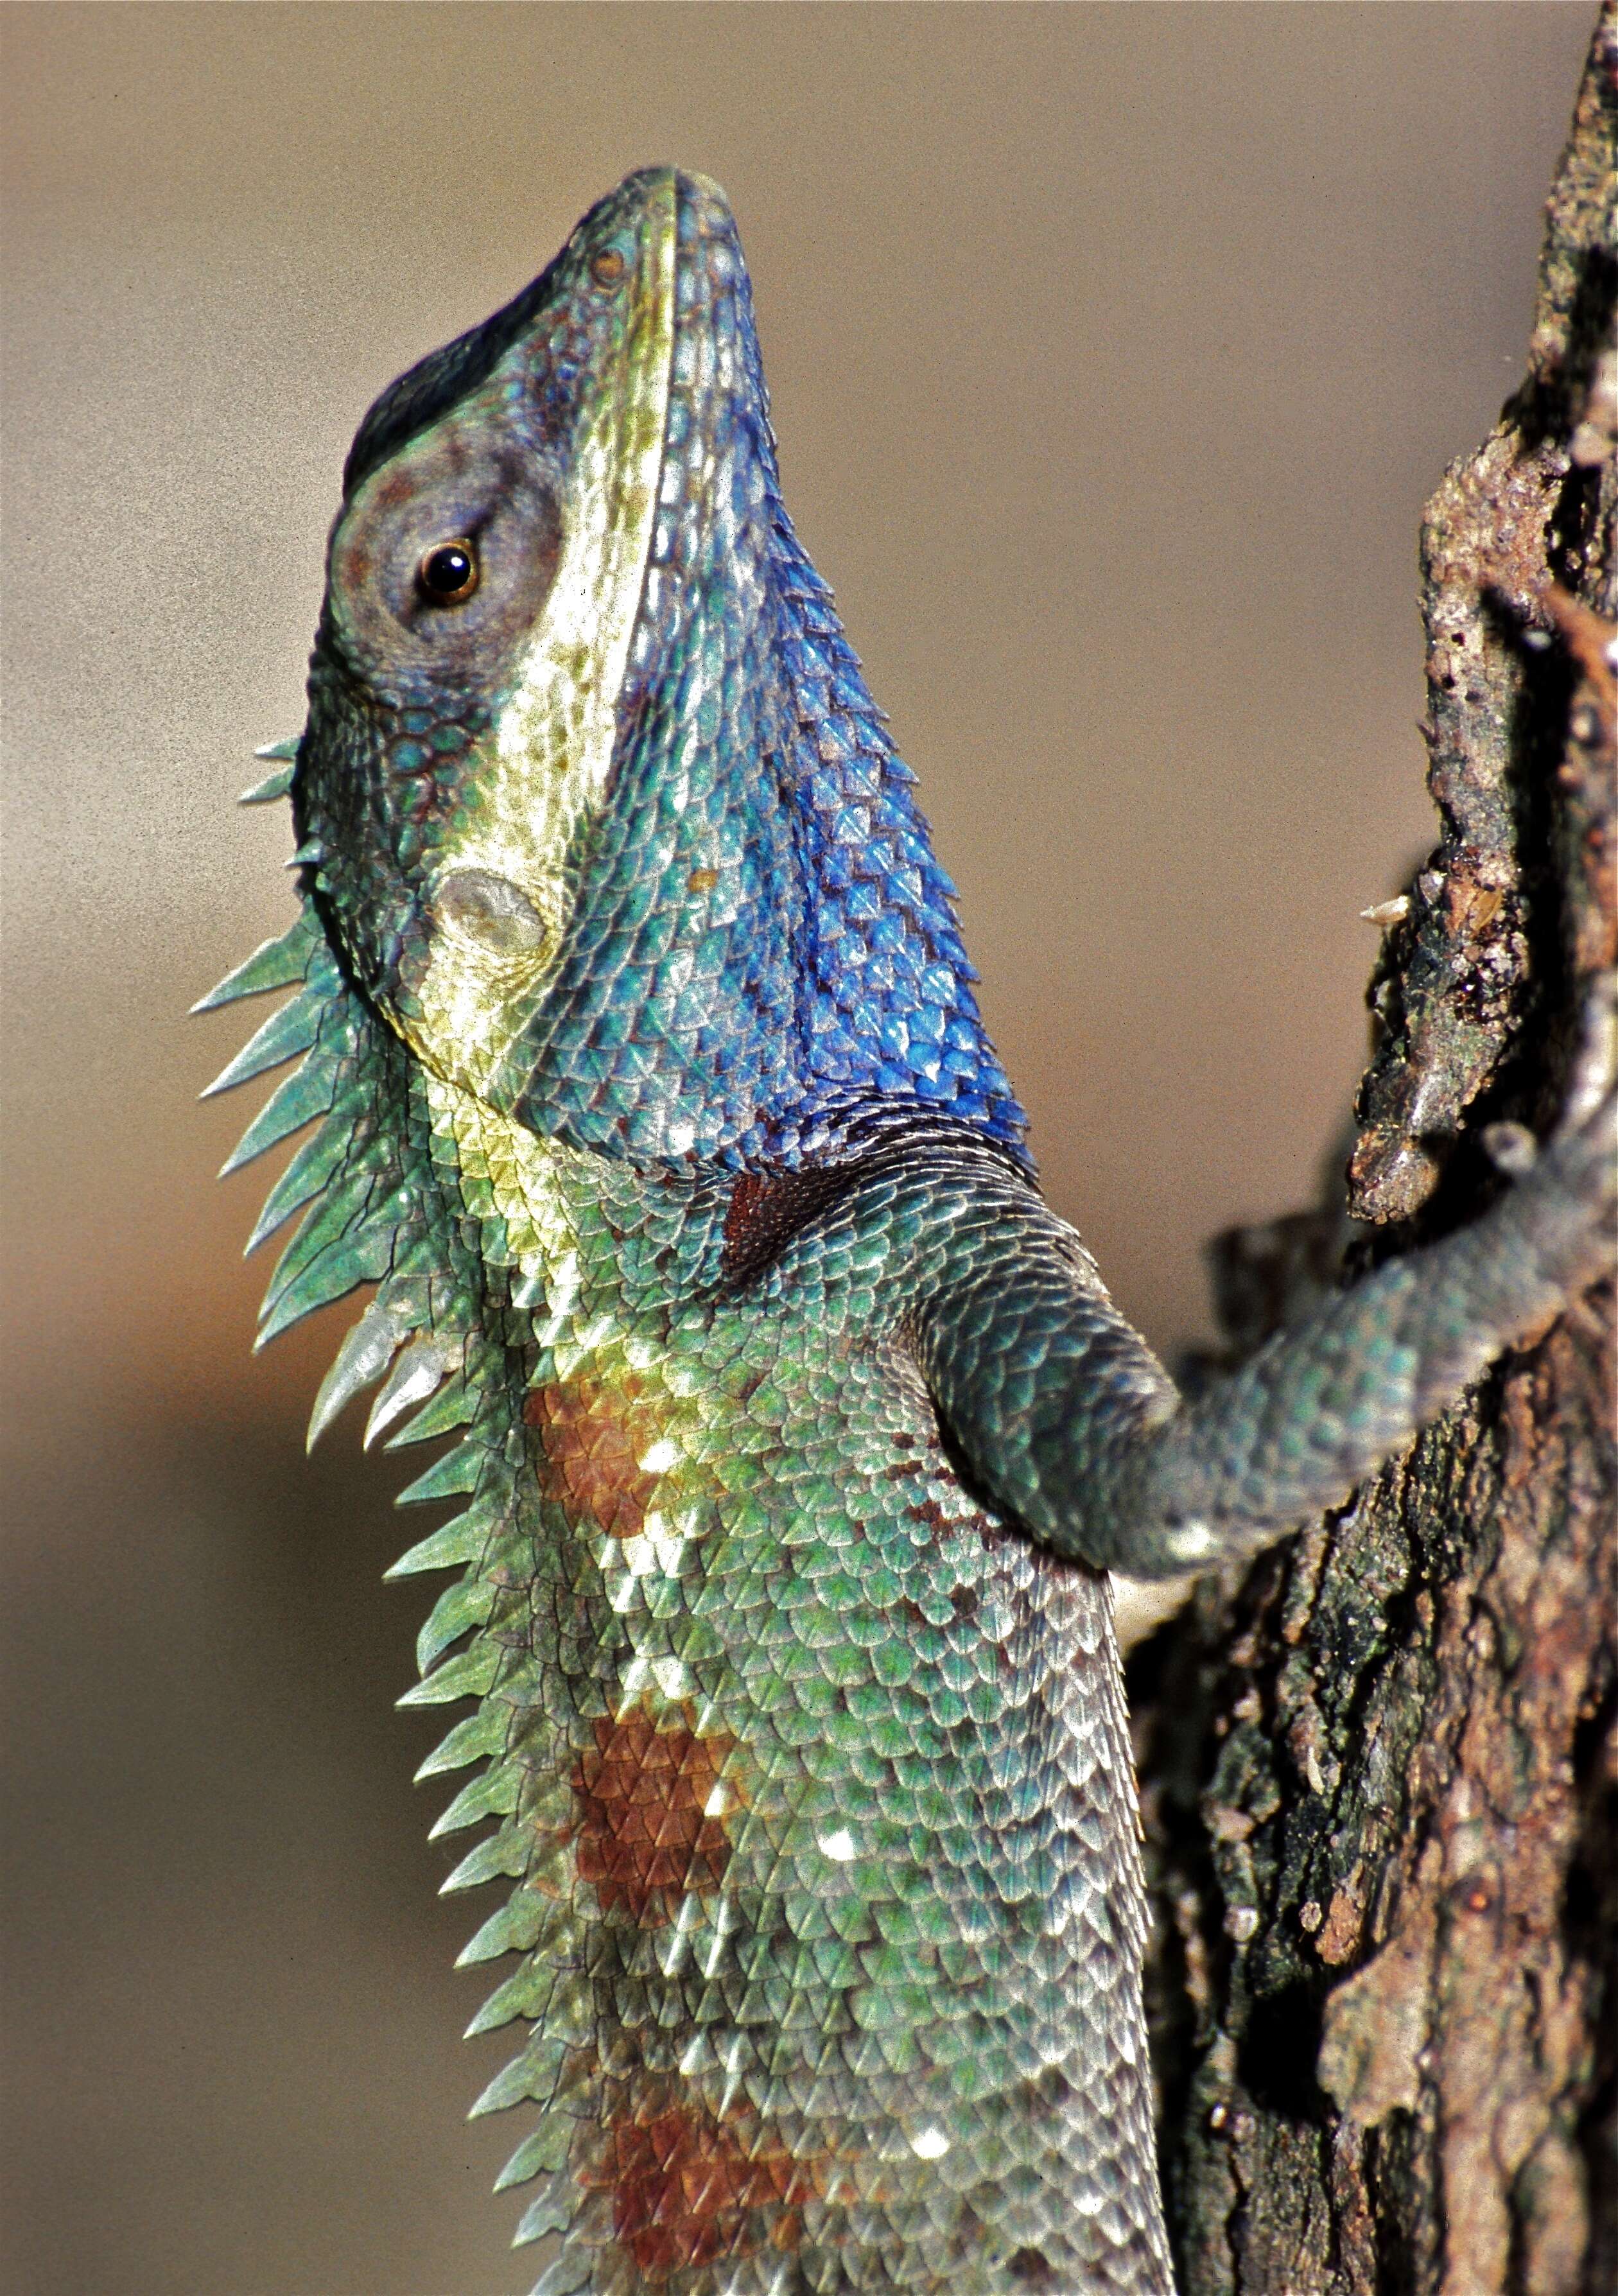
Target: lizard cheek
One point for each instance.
(492, 912)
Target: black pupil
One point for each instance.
(447, 570)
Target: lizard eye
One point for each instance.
(444, 559)
(448, 573)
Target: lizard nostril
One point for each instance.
(607, 268)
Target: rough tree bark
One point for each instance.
(1381, 1772)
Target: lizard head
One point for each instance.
(596, 806)
(483, 578)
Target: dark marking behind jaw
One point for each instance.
(769, 1209)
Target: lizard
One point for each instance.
(794, 1436)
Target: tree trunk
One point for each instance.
(1380, 1772)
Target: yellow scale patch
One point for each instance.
(546, 768)
(533, 1186)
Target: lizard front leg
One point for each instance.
(1067, 1418)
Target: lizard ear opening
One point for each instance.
(493, 913)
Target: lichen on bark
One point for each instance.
(1380, 1771)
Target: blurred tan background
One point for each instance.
(1113, 352)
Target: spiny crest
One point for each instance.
(358, 1188)
(363, 1217)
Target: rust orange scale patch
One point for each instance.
(593, 1436)
(645, 1835)
(689, 2188)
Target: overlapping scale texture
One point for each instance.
(801, 1777)
(761, 906)
(808, 1780)
(825, 1888)
(799, 1768)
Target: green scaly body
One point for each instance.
(794, 1434)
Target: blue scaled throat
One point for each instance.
(641, 1074)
